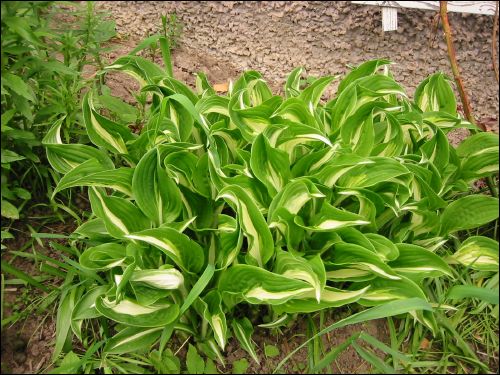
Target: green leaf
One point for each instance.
(312, 94)
(436, 94)
(470, 291)
(334, 353)
(85, 309)
(10, 156)
(6, 117)
(102, 131)
(210, 308)
(330, 218)
(292, 85)
(330, 297)
(94, 229)
(437, 150)
(63, 319)
(251, 221)
(271, 351)
(357, 257)
(230, 241)
(22, 193)
(213, 104)
(363, 90)
(383, 290)
(269, 165)
(363, 70)
(311, 271)
(210, 367)
(287, 204)
(186, 253)
(138, 67)
(243, 331)
(145, 43)
(124, 111)
(8, 268)
(198, 287)
(71, 361)
(479, 253)
(131, 313)
(64, 157)
(21, 26)
(361, 173)
(251, 121)
(90, 173)
(469, 212)
(257, 285)
(375, 361)
(104, 256)
(385, 247)
(166, 363)
(160, 279)
(479, 155)
(240, 366)
(154, 191)
(416, 262)
(288, 136)
(121, 217)
(9, 210)
(194, 362)
(132, 339)
(16, 84)
(6, 235)
(358, 131)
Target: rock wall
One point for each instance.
(225, 38)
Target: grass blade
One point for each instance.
(198, 288)
(6, 267)
(382, 311)
(471, 291)
(373, 360)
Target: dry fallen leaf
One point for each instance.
(221, 87)
(424, 344)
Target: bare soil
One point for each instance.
(27, 343)
(348, 362)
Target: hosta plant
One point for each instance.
(224, 202)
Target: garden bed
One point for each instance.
(199, 182)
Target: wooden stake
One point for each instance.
(454, 66)
(494, 42)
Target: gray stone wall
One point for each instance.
(225, 38)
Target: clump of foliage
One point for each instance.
(244, 199)
(42, 77)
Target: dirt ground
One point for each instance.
(28, 343)
(348, 362)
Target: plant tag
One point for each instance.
(389, 18)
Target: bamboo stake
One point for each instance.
(443, 10)
(494, 43)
